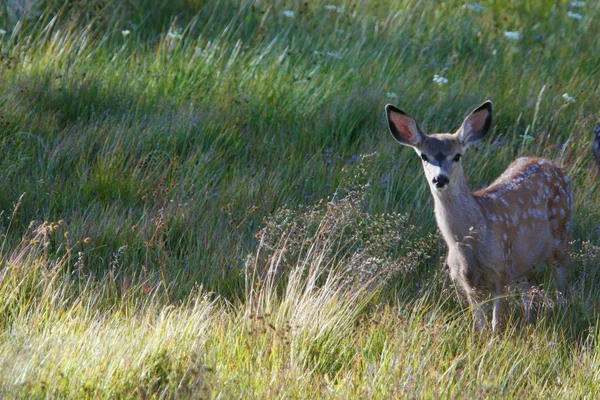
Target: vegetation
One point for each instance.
(201, 199)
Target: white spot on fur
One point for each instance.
(557, 199)
(515, 217)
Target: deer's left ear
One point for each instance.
(476, 125)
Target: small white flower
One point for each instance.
(331, 7)
(576, 4)
(125, 32)
(334, 55)
(527, 138)
(576, 16)
(174, 35)
(568, 98)
(440, 80)
(392, 95)
(289, 14)
(2, 32)
(475, 7)
(512, 35)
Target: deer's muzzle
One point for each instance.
(440, 181)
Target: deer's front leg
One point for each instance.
(528, 300)
(497, 310)
(478, 308)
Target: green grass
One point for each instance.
(211, 205)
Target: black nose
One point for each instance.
(440, 181)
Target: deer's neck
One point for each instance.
(457, 212)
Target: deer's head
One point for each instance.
(441, 153)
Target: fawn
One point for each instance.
(496, 235)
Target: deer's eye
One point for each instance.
(457, 158)
(424, 157)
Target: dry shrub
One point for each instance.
(363, 247)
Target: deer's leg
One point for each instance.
(497, 307)
(528, 300)
(478, 310)
(561, 272)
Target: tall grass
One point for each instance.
(199, 199)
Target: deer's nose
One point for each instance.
(440, 181)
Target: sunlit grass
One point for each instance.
(141, 171)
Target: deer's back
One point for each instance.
(528, 212)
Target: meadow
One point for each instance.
(201, 199)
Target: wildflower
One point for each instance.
(2, 32)
(527, 138)
(576, 16)
(391, 95)
(440, 80)
(125, 32)
(475, 7)
(568, 98)
(289, 14)
(331, 7)
(539, 37)
(576, 4)
(512, 35)
(334, 55)
(174, 35)
(433, 64)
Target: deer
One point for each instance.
(497, 235)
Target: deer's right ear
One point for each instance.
(403, 128)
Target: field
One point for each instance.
(201, 199)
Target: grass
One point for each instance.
(200, 199)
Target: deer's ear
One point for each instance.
(403, 128)
(476, 125)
